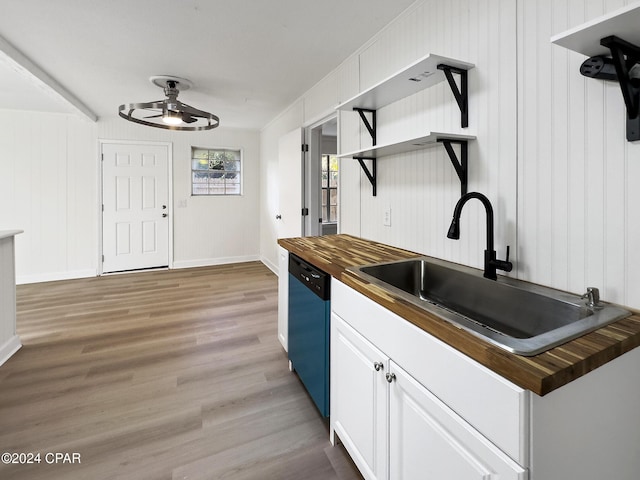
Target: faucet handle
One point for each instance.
(592, 296)
(504, 265)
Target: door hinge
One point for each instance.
(305, 147)
(102, 258)
(103, 207)
(102, 157)
(305, 212)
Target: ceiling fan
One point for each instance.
(169, 113)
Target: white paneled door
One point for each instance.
(135, 196)
(290, 169)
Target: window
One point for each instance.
(216, 171)
(329, 189)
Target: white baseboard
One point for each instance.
(8, 348)
(54, 276)
(269, 265)
(207, 262)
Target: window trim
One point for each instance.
(223, 195)
(328, 188)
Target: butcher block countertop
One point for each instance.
(541, 374)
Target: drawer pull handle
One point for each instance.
(390, 377)
(378, 366)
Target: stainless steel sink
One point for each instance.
(518, 316)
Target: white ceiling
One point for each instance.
(247, 59)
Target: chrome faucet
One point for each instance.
(593, 297)
(491, 263)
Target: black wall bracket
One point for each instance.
(625, 55)
(371, 174)
(371, 126)
(461, 94)
(459, 164)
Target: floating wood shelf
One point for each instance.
(424, 73)
(432, 139)
(418, 143)
(585, 38)
(615, 34)
(418, 76)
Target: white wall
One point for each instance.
(270, 179)
(550, 153)
(578, 222)
(49, 188)
(209, 230)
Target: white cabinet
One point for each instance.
(445, 416)
(359, 399)
(394, 428)
(428, 440)
(9, 340)
(407, 406)
(283, 297)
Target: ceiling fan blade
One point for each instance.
(154, 116)
(188, 118)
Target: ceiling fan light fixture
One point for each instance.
(169, 113)
(172, 118)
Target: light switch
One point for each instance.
(386, 218)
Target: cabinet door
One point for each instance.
(430, 441)
(283, 297)
(359, 399)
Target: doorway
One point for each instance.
(135, 206)
(322, 197)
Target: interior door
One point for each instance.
(135, 197)
(290, 169)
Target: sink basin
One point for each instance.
(517, 316)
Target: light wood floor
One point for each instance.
(160, 375)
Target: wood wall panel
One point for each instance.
(198, 236)
(48, 186)
(550, 154)
(576, 170)
(421, 188)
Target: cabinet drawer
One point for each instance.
(491, 404)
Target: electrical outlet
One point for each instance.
(386, 217)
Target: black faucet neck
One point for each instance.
(491, 263)
(488, 208)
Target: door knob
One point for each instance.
(378, 366)
(278, 217)
(164, 215)
(164, 207)
(390, 377)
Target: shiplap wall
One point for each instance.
(421, 188)
(48, 168)
(210, 229)
(578, 203)
(49, 187)
(551, 152)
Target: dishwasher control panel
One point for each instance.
(314, 279)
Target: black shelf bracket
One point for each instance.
(630, 88)
(461, 94)
(371, 126)
(371, 174)
(459, 164)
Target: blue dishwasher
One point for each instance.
(309, 326)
